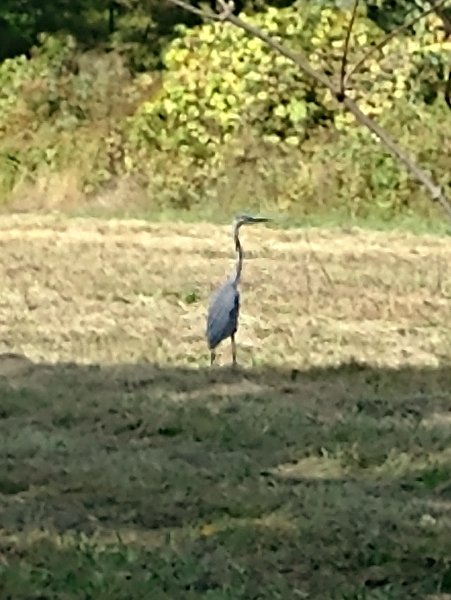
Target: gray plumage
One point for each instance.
(224, 308)
(222, 321)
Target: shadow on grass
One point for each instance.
(329, 483)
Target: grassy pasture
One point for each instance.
(320, 469)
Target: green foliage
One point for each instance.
(22, 21)
(135, 29)
(388, 14)
(61, 86)
(61, 104)
(230, 119)
(345, 172)
(211, 92)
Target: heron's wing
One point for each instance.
(223, 312)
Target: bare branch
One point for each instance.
(222, 16)
(384, 41)
(435, 191)
(344, 58)
(444, 16)
(298, 59)
(448, 90)
(227, 10)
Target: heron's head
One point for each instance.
(248, 220)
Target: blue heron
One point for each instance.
(224, 308)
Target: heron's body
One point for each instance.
(223, 313)
(224, 308)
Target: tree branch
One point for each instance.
(344, 58)
(390, 36)
(445, 16)
(448, 90)
(227, 10)
(435, 191)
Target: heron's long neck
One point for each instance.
(239, 262)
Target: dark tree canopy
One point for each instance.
(145, 22)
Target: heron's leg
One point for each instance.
(232, 338)
(212, 357)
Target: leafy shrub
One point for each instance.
(219, 79)
(348, 172)
(232, 123)
(63, 103)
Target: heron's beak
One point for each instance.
(261, 220)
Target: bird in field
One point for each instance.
(224, 307)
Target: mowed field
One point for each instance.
(320, 468)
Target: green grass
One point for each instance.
(196, 485)
(320, 469)
(435, 224)
(191, 484)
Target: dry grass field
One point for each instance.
(320, 469)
